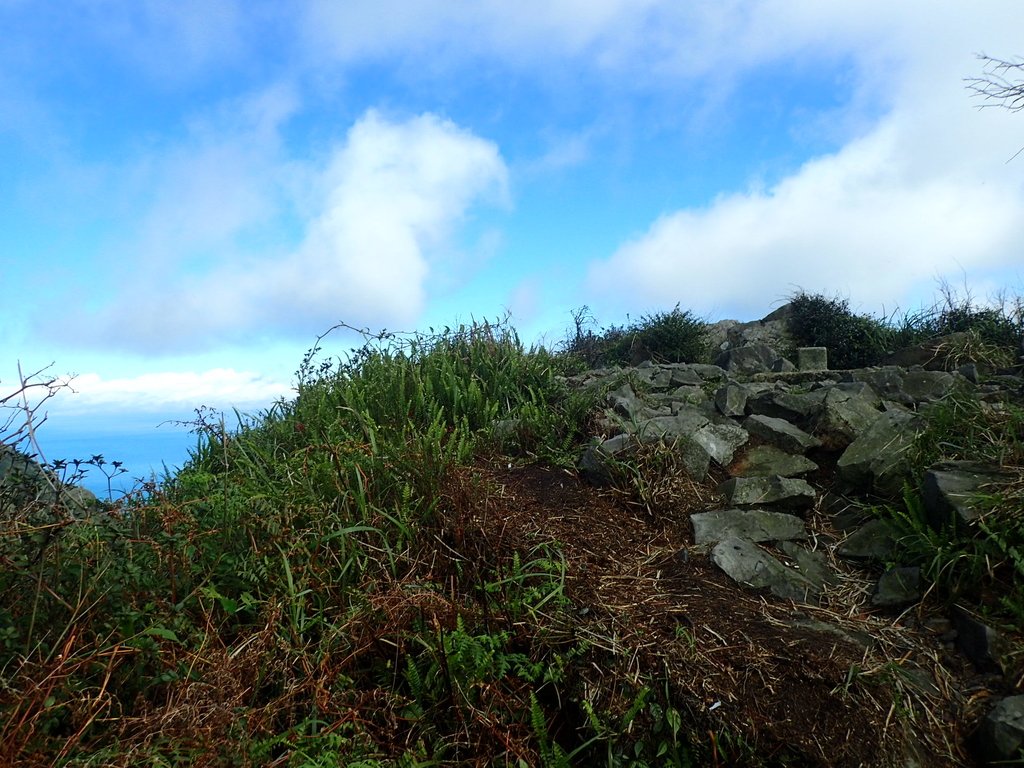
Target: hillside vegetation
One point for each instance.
(385, 570)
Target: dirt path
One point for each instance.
(833, 683)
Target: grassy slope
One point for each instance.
(307, 592)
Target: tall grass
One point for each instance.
(291, 570)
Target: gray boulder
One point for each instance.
(745, 562)
(789, 492)
(928, 386)
(683, 423)
(721, 441)
(753, 358)
(780, 433)
(798, 408)
(872, 461)
(731, 400)
(1000, 739)
(767, 461)
(951, 491)
(844, 416)
(624, 402)
(750, 524)
(812, 565)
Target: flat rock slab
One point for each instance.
(750, 524)
(767, 460)
(721, 441)
(781, 433)
(790, 492)
(745, 562)
(812, 565)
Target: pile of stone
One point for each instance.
(792, 437)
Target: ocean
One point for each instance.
(144, 451)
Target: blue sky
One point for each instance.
(193, 190)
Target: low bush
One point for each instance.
(677, 336)
(989, 335)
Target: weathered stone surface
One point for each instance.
(844, 417)
(898, 587)
(688, 396)
(799, 408)
(812, 358)
(950, 491)
(721, 440)
(780, 433)
(927, 386)
(660, 379)
(745, 562)
(684, 423)
(731, 400)
(709, 372)
(683, 375)
(859, 389)
(873, 541)
(1000, 739)
(978, 641)
(750, 524)
(696, 459)
(812, 565)
(871, 461)
(767, 460)
(789, 492)
(887, 382)
(753, 358)
(624, 402)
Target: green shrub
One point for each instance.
(991, 335)
(677, 336)
(853, 341)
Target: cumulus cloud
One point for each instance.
(395, 192)
(923, 193)
(372, 220)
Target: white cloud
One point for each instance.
(169, 391)
(396, 191)
(455, 29)
(923, 193)
(383, 206)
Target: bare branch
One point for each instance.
(995, 87)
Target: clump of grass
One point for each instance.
(982, 560)
(960, 329)
(853, 341)
(677, 336)
(306, 585)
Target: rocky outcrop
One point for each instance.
(792, 444)
(28, 489)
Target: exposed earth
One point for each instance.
(836, 683)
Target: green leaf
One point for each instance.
(163, 633)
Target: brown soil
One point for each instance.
(741, 662)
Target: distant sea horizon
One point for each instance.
(145, 452)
